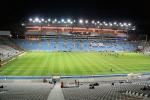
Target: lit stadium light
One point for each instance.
(68, 20)
(115, 23)
(71, 22)
(45, 21)
(80, 21)
(106, 24)
(86, 21)
(74, 21)
(121, 25)
(58, 21)
(93, 21)
(42, 19)
(110, 24)
(22, 24)
(30, 19)
(134, 28)
(39, 21)
(49, 20)
(62, 20)
(33, 21)
(55, 20)
(98, 22)
(125, 24)
(36, 19)
(129, 24)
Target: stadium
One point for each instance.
(84, 59)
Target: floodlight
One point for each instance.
(125, 24)
(115, 23)
(86, 21)
(71, 22)
(80, 21)
(62, 20)
(106, 24)
(134, 28)
(23, 24)
(110, 24)
(36, 19)
(55, 20)
(58, 21)
(30, 19)
(98, 22)
(129, 24)
(93, 21)
(121, 25)
(68, 20)
(49, 19)
(39, 21)
(45, 21)
(42, 20)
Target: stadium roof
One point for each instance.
(70, 22)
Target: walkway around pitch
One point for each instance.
(56, 93)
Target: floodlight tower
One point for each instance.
(129, 27)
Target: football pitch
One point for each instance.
(76, 63)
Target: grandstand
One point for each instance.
(144, 46)
(104, 90)
(8, 49)
(62, 44)
(76, 35)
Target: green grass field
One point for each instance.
(75, 63)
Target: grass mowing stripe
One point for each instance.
(75, 63)
(94, 68)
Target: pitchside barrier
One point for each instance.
(24, 77)
(64, 77)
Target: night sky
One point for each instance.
(16, 11)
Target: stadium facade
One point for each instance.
(75, 27)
